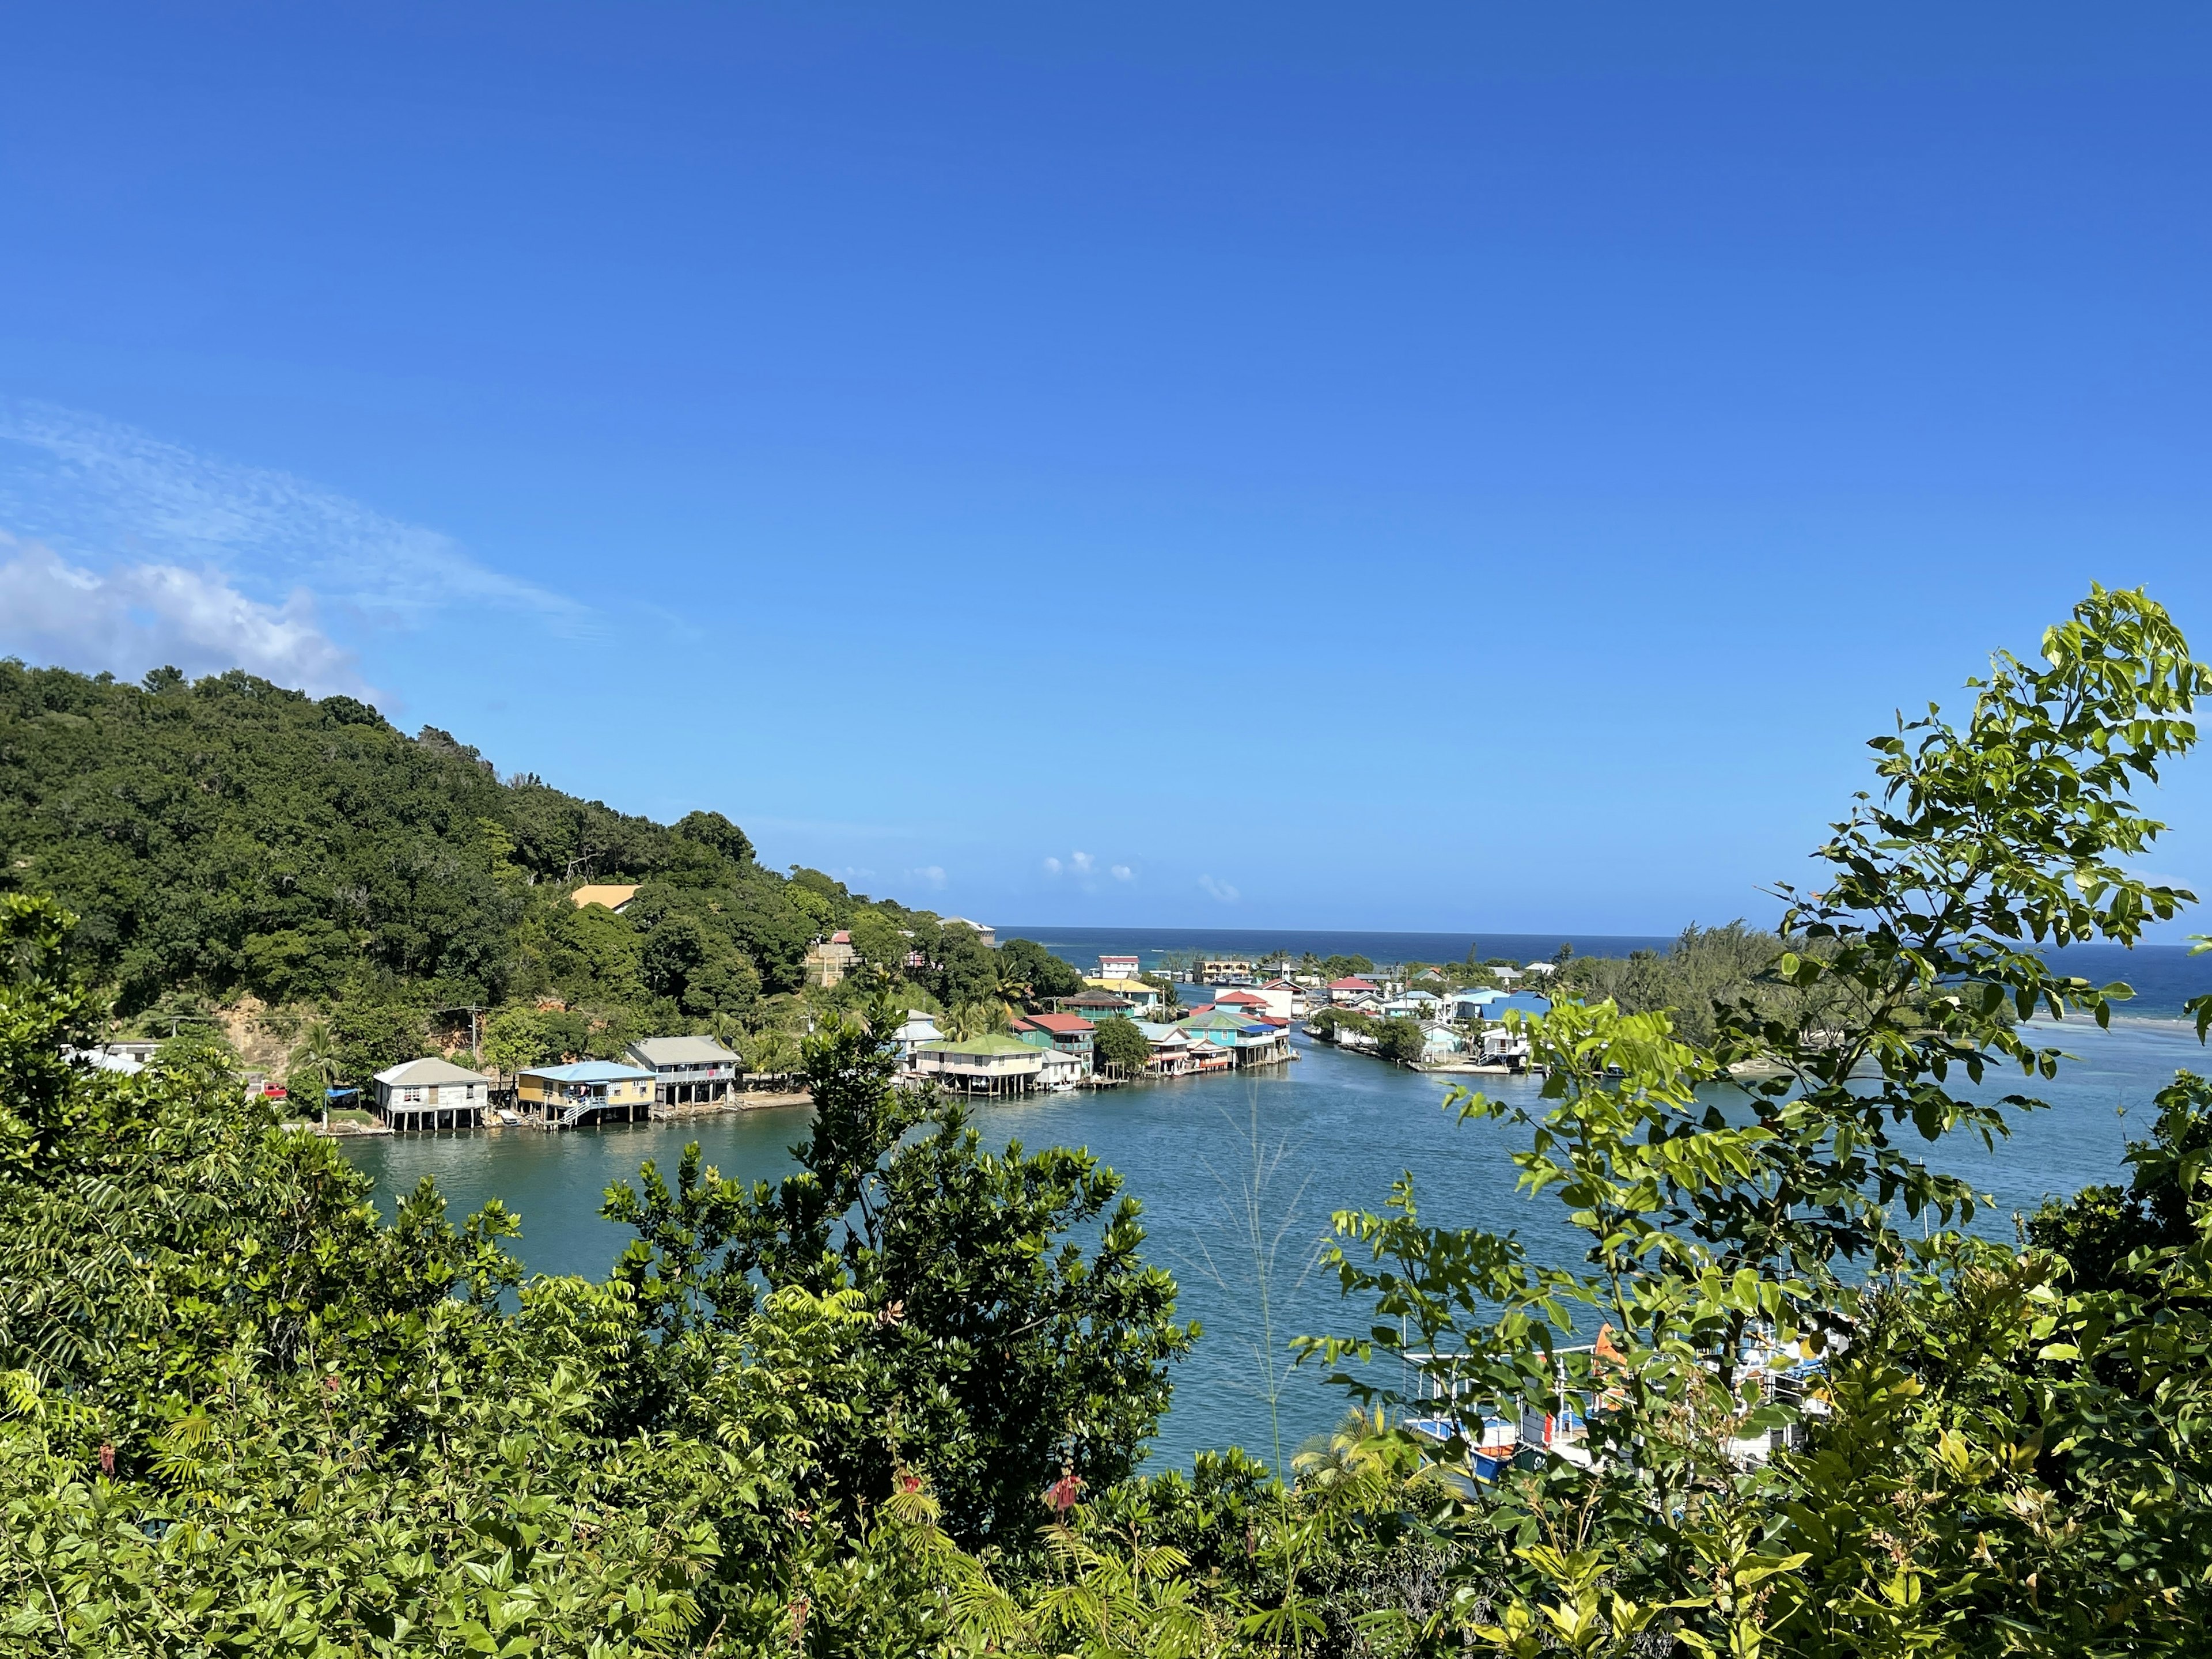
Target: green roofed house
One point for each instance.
(981, 1065)
(1246, 1040)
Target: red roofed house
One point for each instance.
(1240, 1002)
(1284, 1001)
(1344, 991)
(1071, 1034)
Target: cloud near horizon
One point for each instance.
(137, 618)
(1084, 870)
(1219, 890)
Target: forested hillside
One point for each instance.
(228, 837)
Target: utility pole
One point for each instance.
(472, 1009)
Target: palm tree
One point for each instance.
(1170, 999)
(317, 1054)
(771, 1053)
(975, 1019)
(1011, 988)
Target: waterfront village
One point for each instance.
(1409, 1017)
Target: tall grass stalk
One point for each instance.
(1259, 1225)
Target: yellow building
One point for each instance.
(1141, 997)
(614, 896)
(588, 1092)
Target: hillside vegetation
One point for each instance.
(227, 838)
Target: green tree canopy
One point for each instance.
(1046, 975)
(1119, 1042)
(1401, 1040)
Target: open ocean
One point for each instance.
(1338, 1129)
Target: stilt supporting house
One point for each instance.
(430, 1093)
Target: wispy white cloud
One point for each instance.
(930, 875)
(139, 616)
(1219, 890)
(1085, 870)
(104, 493)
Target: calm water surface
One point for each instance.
(1334, 1129)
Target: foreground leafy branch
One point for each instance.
(1806, 1429)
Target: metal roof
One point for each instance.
(680, 1051)
(1065, 1025)
(428, 1069)
(982, 1045)
(587, 1071)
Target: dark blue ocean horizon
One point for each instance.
(2162, 976)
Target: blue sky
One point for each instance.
(1376, 467)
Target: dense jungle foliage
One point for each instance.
(227, 836)
(895, 1403)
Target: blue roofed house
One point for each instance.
(1471, 1005)
(1523, 1002)
(1504, 1046)
(586, 1091)
(919, 1027)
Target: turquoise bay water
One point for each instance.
(1338, 1129)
